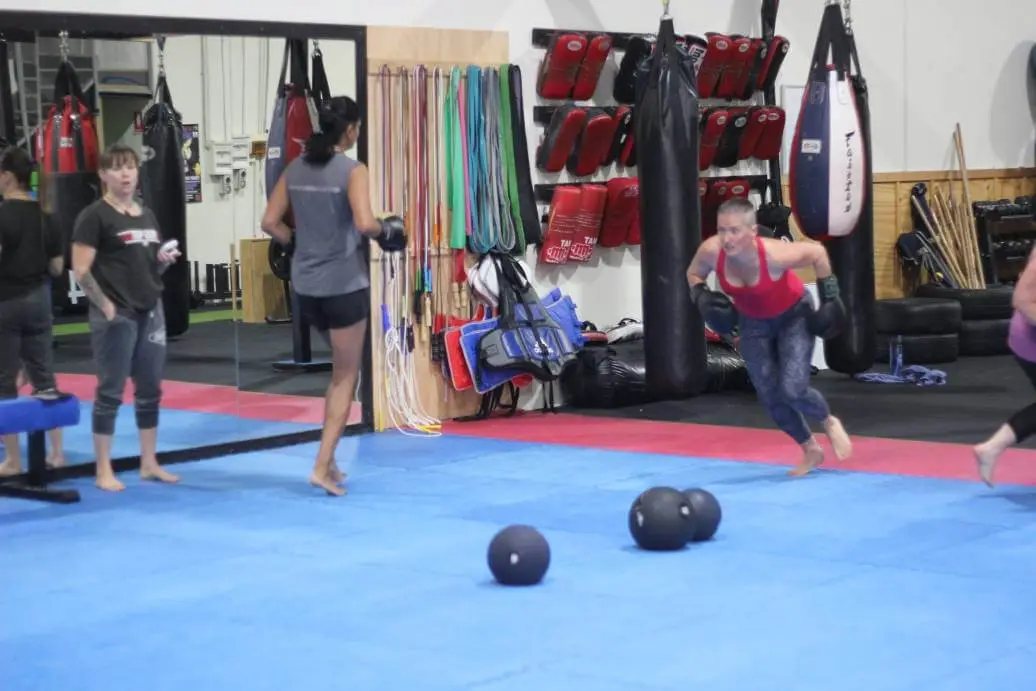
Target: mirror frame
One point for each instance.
(24, 26)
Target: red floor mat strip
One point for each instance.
(224, 400)
(870, 454)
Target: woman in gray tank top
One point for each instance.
(327, 195)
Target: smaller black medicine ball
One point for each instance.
(661, 520)
(519, 555)
(707, 513)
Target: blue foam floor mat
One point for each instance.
(178, 430)
(244, 577)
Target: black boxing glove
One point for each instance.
(829, 318)
(392, 237)
(716, 309)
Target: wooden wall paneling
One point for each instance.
(893, 213)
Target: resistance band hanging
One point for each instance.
(403, 101)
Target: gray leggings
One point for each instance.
(130, 346)
(778, 353)
(26, 338)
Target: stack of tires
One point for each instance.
(927, 327)
(985, 317)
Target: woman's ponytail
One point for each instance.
(334, 118)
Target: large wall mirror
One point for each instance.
(198, 109)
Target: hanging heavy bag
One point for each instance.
(852, 257)
(163, 188)
(666, 131)
(293, 119)
(827, 154)
(67, 153)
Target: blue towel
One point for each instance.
(912, 374)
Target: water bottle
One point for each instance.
(895, 355)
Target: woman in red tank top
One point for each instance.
(776, 322)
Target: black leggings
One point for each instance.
(1023, 423)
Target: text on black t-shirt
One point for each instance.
(126, 265)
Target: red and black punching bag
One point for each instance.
(67, 152)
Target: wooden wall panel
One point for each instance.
(892, 213)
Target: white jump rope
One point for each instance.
(405, 411)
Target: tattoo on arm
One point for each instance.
(93, 291)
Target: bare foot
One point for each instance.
(810, 460)
(157, 473)
(839, 438)
(109, 483)
(327, 484)
(56, 461)
(335, 474)
(986, 459)
(9, 467)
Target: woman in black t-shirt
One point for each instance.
(118, 258)
(30, 251)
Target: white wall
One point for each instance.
(929, 65)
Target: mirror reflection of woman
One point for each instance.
(31, 252)
(329, 196)
(118, 260)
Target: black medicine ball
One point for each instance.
(707, 513)
(519, 555)
(661, 520)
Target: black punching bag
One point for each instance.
(852, 257)
(163, 188)
(665, 118)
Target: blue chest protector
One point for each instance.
(527, 338)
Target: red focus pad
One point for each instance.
(753, 132)
(562, 222)
(623, 129)
(769, 145)
(775, 53)
(737, 189)
(714, 121)
(560, 138)
(717, 55)
(750, 80)
(590, 70)
(622, 204)
(729, 143)
(592, 200)
(737, 67)
(560, 66)
(594, 142)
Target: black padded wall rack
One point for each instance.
(545, 192)
(541, 37)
